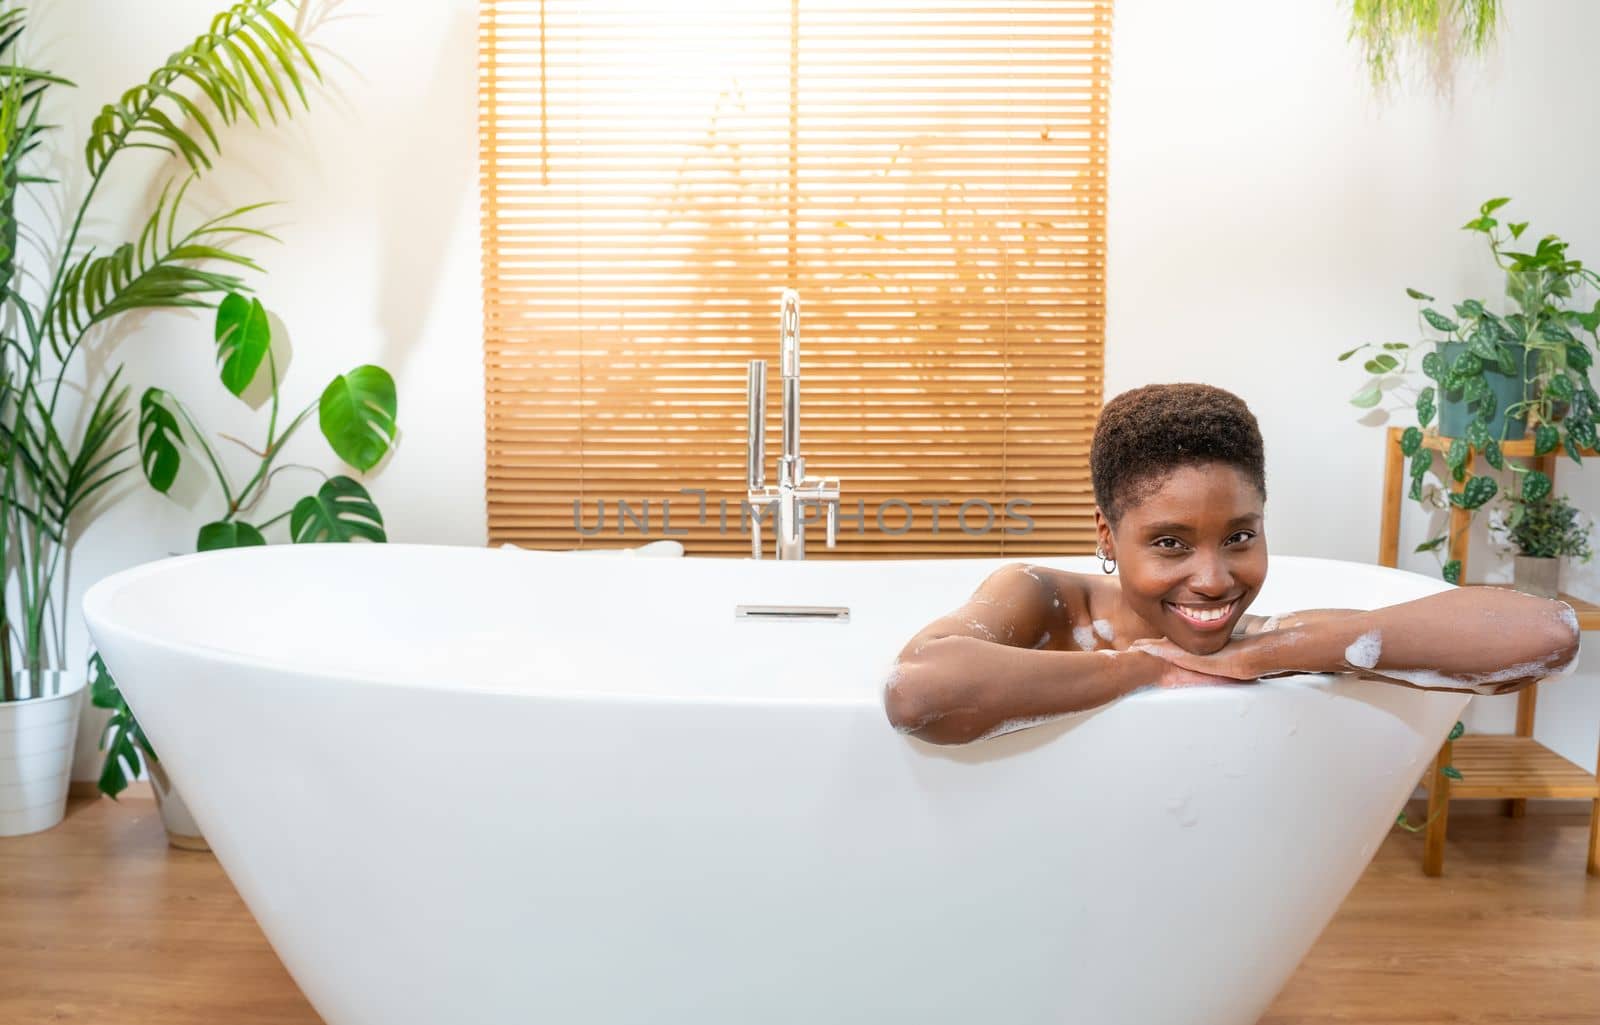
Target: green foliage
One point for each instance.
(341, 510)
(239, 66)
(1391, 32)
(357, 413)
(1544, 338)
(242, 336)
(246, 65)
(122, 739)
(1548, 528)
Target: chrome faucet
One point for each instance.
(795, 492)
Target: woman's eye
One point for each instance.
(1241, 536)
(1161, 542)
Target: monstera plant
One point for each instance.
(356, 412)
(1491, 377)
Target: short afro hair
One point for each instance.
(1145, 433)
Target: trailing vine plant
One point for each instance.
(1543, 340)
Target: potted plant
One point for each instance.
(1543, 534)
(356, 413)
(58, 461)
(1491, 376)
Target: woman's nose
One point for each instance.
(1211, 579)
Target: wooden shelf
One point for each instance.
(1588, 612)
(1521, 449)
(1508, 767)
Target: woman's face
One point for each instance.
(1191, 554)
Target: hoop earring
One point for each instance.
(1107, 566)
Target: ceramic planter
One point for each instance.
(1537, 575)
(182, 832)
(37, 735)
(1507, 389)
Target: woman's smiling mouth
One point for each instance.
(1204, 617)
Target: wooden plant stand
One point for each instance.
(1513, 767)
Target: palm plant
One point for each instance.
(248, 65)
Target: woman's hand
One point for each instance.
(1234, 663)
(1179, 668)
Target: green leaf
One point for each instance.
(1578, 357)
(1490, 206)
(228, 534)
(1410, 441)
(1545, 439)
(1438, 320)
(1535, 486)
(1478, 434)
(1572, 448)
(1493, 456)
(1397, 346)
(243, 337)
(1382, 364)
(1581, 430)
(1367, 397)
(1456, 731)
(1483, 344)
(1346, 355)
(160, 440)
(1505, 360)
(1425, 407)
(1413, 293)
(357, 415)
(238, 65)
(1421, 463)
(1469, 309)
(1475, 493)
(1431, 544)
(1452, 571)
(1466, 365)
(1416, 489)
(1451, 772)
(1456, 456)
(1433, 365)
(341, 510)
(1518, 228)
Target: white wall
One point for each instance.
(1266, 213)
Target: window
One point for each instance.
(930, 177)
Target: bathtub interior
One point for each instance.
(557, 623)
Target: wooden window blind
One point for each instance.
(931, 177)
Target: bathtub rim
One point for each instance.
(97, 600)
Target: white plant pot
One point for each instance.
(1537, 575)
(37, 735)
(182, 832)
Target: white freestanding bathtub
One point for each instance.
(467, 786)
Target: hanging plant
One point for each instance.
(1395, 33)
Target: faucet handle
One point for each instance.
(833, 521)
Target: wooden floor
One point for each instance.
(101, 923)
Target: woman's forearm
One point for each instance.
(1488, 640)
(958, 689)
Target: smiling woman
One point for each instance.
(1180, 492)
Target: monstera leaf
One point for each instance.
(159, 440)
(357, 415)
(243, 337)
(341, 510)
(228, 534)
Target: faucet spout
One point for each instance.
(795, 493)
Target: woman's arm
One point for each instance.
(978, 671)
(1488, 640)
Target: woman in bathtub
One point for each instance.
(1179, 487)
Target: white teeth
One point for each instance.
(1203, 615)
